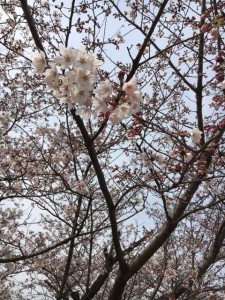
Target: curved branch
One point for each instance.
(146, 40)
(213, 252)
(103, 185)
(23, 257)
(199, 88)
(31, 23)
(70, 23)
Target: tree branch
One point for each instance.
(166, 230)
(31, 23)
(102, 183)
(146, 40)
(213, 252)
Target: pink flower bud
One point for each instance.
(88, 101)
(219, 77)
(206, 27)
(106, 99)
(107, 114)
(217, 68)
(214, 33)
(204, 16)
(110, 107)
(222, 52)
(121, 77)
(219, 59)
(114, 86)
(100, 115)
(121, 74)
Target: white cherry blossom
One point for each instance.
(99, 105)
(134, 97)
(130, 87)
(66, 100)
(188, 157)
(5, 117)
(85, 79)
(196, 135)
(76, 85)
(51, 75)
(114, 117)
(104, 88)
(38, 61)
(146, 160)
(80, 95)
(85, 113)
(86, 60)
(159, 158)
(135, 107)
(65, 87)
(66, 58)
(124, 110)
(223, 85)
(54, 87)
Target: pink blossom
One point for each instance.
(214, 33)
(51, 75)
(206, 27)
(204, 16)
(136, 96)
(130, 86)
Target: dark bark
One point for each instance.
(31, 23)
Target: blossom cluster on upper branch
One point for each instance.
(77, 85)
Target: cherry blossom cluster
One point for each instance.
(4, 120)
(212, 24)
(219, 68)
(196, 135)
(76, 85)
(107, 103)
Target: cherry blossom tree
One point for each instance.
(112, 149)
